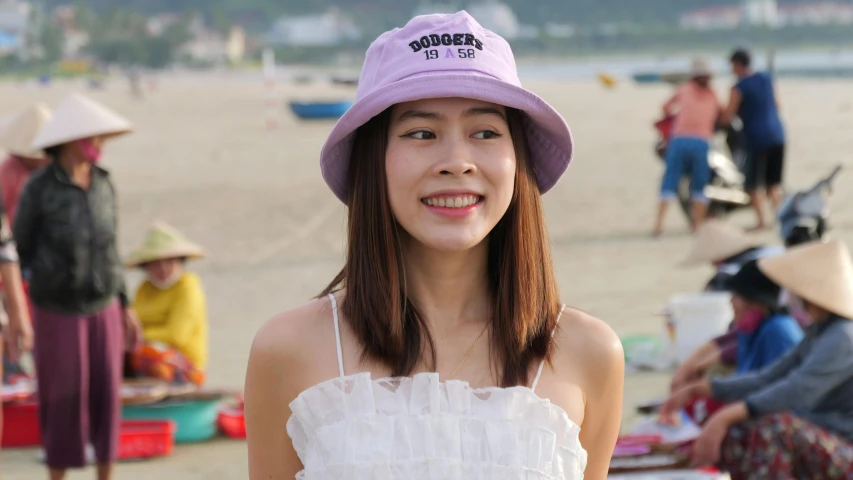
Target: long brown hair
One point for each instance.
(520, 271)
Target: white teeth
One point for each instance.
(453, 202)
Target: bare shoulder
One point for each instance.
(287, 356)
(582, 335)
(292, 346)
(591, 347)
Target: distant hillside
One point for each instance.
(387, 13)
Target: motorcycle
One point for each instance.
(725, 190)
(804, 216)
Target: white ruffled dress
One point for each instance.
(354, 427)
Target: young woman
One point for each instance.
(794, 418)
(441, 350)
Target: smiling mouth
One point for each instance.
(457, 201)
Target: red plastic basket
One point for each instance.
(21, 425)
(232, 422)
(146, 439)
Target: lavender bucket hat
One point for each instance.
(441, 56)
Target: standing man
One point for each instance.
(753, 100)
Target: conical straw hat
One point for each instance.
(18, 130)
(161, 242)
(821, 273)
(78, 117)
(716, 241)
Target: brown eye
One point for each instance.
(487, 135)
(421, 135)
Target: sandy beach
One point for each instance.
(203, 160)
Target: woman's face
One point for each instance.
(88, 149)
(450, 166)
(161, 271)
(741, 305)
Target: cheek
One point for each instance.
(500, 171)
(738, 305)
(402, 174)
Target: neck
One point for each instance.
(745, 73)
(78, 169)
(449, 289)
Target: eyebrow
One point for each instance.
(471, 112)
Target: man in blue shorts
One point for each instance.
(753, 100)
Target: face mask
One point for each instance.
(168, 282)
(90, 151)
(749, 321)
(795, 308)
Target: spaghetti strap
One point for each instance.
(338, 334)
(542, 363)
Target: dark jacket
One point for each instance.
(66, 239)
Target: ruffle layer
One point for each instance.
(356, 427)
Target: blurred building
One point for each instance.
(428, 8)
(14, 26)
(325, 29)
(761, 13)
(497, 17)
(767, 13)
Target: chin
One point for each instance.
(451, 242)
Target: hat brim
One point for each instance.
(140, 259)
(549, 137)
(107, 134)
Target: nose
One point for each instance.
(457, 159)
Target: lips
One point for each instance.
(452, 201)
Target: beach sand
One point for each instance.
(203, 160)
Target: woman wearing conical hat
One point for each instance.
(171, 307)
(16, 136)
(727, 248)
(793, 419)
(66, 229)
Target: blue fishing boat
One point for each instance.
(647, 77)
(320, 110)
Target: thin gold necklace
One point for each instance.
(468, 353)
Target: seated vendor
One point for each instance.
(763, 332)
(793, 419)
(172, 309)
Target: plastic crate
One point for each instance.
(146, 439)
(21, 425)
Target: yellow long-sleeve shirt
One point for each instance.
(176, 316)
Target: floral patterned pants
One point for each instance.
(782, 446)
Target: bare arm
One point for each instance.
(267, 396)
(669, 106)
(734, 104)
(694, 367)
(604, 379)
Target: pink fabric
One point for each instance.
(698, 110)
(441, 56)
(13, 176)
